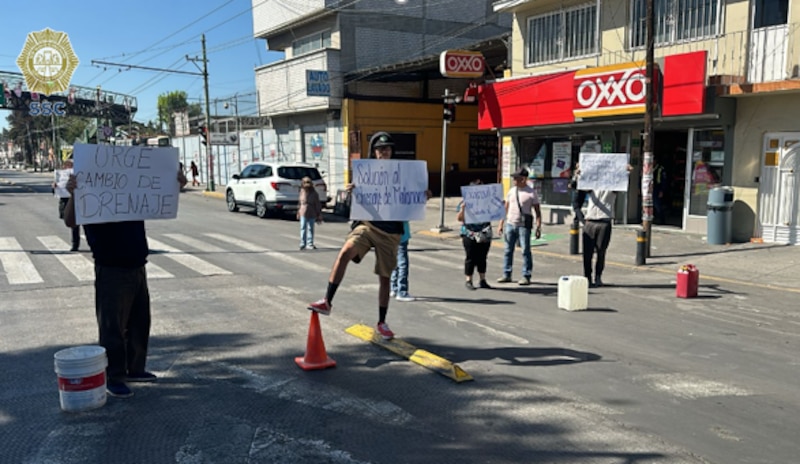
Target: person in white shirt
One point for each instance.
(597, 233)
(521, 201)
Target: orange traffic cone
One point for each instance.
(316, 357)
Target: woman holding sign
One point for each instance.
(476, 239)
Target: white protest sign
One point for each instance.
(603, 171)
(62, 176)
(125, 183)
(483, 203)
(389, 190)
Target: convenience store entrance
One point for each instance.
(670, 151)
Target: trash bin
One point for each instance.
(720, 215)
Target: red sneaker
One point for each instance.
(385, 331)
(321, 307)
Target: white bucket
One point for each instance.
(81, 377)
(573, 293)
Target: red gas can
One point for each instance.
(688, 280)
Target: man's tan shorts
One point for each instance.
(366, 236)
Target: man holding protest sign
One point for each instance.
(602, 175)
(517, 226)
(382, 235)
(117, 238)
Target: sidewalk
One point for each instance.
(765, 265)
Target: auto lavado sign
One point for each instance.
(318, 83)
(461, 63)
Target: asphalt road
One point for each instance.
(642, 377)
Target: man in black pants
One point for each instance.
(122, 298)
(597, 233)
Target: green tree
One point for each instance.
(174, 102)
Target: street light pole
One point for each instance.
(449, 100)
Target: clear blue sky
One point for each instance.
(153, 33)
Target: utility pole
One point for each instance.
(643, 251)
(204, 73)
(448, 117)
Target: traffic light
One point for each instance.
(203, 134)
(449, 112)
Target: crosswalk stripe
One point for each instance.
(302, 263)
(18, 266)
(192, 262)
(194, 243)
(80, 266)
(440, 261)
(156, 272)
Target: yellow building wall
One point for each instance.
(422, 119)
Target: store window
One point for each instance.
(708, 167)
(561, 35)
(551, 161)
(675, 21)
(482, 151)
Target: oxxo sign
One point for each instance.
(461, 63)
(610, 90)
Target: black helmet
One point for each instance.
(380, 139)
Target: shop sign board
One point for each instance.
(461, 63)
(610, 90)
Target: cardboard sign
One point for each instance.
(483, 203)
(125, 183)
(62, 176)
(603, 171)
(389, 190)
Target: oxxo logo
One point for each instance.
(461, 63)
(47, 108)
(612, 90)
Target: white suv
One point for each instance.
(272, 187)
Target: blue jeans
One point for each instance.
(306, 231)
(512, 235)
(399, 282)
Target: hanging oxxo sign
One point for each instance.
(610, 90)
(461, 63)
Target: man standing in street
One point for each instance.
(521, 203)
(597, 233)
(122, 297)
(383, 236)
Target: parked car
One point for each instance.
(272, 187)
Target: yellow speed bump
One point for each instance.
(412, 353)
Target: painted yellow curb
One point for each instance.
(220, 195)
(412, 353)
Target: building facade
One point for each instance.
(727, 90)
(354, 67)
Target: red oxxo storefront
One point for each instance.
(545, 121)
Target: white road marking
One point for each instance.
(691, 387)
(491, 331)
(193, 262)
(288, 259)
(80, 266)
(332, 244)
(18, 266)
(194, 243)
(156, 272)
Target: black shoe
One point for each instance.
(469, 285)
(118, 389)
(74, 248)
(302, 247)
(142, 377)
(484, 284)
(598, 282)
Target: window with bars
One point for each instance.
(562, 35)
(310, 43)
(675, 21)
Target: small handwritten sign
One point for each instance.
(389, 190)
(603, 171)
(62, 176)
(125, 183)
(483, 203)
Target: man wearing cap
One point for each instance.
(383, 236)
(521, 201)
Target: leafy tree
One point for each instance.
(174, 102)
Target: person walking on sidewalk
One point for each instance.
(517, 226)
(477, 240)
(63, 198)
(122, 298)
(399, 280)
(309, 212)
(195, 173)
(383, 236)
